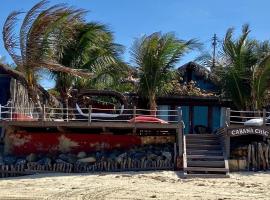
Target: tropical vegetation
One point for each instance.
(243, 69)
(155, 57)
(78, 54)
(43, 34)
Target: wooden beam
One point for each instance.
(79, 124)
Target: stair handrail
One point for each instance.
(184, 152)
(221, 133)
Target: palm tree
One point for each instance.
(44, 33)
(246, 73)
(93, 49)
(155, 57)
(243, 69)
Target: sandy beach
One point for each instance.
(135, 185)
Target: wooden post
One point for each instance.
(228, 116)
(264, 116)
(227, 145)
(134, 117)
(134, 112)
(67, 109)
(175, 157)
(11, 112)
(90, 114)
(179, 131)
(63, 112)
(179, 113)
(43, 113)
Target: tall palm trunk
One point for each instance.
(153, 104)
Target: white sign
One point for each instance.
(249, 131)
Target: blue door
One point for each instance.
(200, 116)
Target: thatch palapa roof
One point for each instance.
(199, 71)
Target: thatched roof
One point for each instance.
(199, 71)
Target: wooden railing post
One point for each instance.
(264, 116)
(11, 113)
(134, 112)
(134, 117)
(43, 113)
(180, 131)
(228, 116)
(90, 114)
(227, 145)
(67, 110)
(179, 113)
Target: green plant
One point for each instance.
(155, 57)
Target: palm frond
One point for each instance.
(27, 23)
(11, 40)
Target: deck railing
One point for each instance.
(240, 117)
(90, 114)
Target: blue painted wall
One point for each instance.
(216, 118)
(185, 113)
(200, 116)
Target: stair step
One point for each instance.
(203, 152)
(201, 156)
(214, 142)
(220, 164)
(203, 147)
(207, 176)
(201, 136)
(205, 169)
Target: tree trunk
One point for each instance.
(153, 105)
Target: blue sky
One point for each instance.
(129, 19)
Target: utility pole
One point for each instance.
(214, 44)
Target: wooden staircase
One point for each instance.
(204, 156)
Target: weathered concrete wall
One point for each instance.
(23, 143)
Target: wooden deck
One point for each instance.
(78, 124)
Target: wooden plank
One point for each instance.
(85, 124)
(203, 152)
(207, 176)
(204, 157)
(205, 169)
(204, 146)
(201, 136)
(200, 163)
(203, 142)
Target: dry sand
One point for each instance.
(166, 185)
